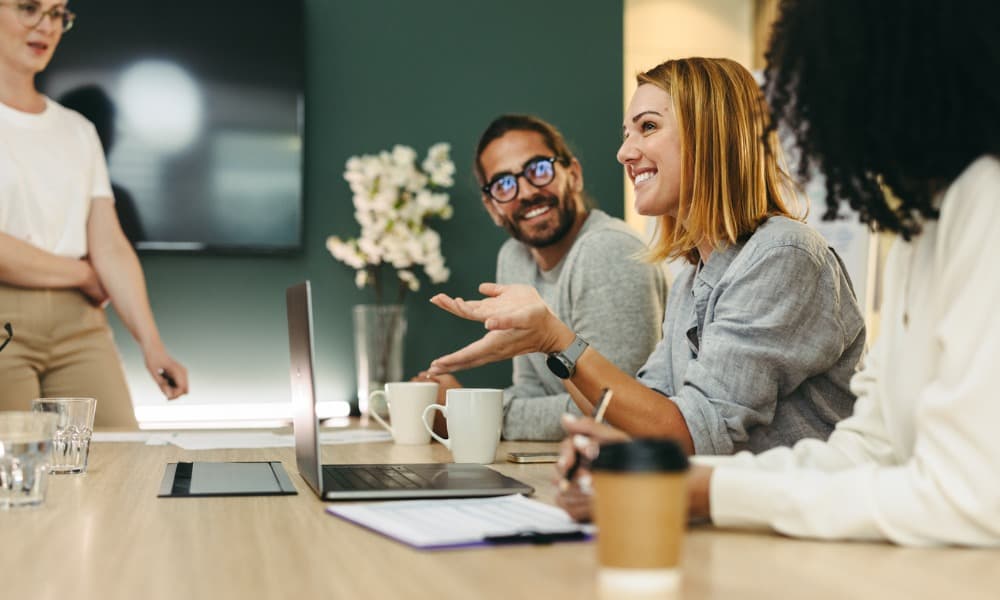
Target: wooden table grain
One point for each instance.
(106, 535)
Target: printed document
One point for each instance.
(439, 524)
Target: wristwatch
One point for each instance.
(563, 364)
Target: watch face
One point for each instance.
(557, 366)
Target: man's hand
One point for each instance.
(518, 320)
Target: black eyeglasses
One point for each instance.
(539, 171)
(10, 335)
(30, 14)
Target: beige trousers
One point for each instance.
(62, 347)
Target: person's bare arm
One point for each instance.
(24, 265)
(120, 272)
(520, 322)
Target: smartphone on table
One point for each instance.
(533, 457)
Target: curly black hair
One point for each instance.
(901, 93)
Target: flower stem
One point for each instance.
(373, 273)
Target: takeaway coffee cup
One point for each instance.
(407, 401)
(640, 508)
(474, 419)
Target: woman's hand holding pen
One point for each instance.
(518, 320)
(169, 375)
(586, 436)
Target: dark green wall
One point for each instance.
(382, 72)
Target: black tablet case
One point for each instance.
(199, 479)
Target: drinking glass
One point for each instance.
(25, 450)
(74, 426)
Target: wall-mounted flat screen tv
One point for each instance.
(200, 107)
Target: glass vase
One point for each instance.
(379, 331)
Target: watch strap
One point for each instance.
(563, 364)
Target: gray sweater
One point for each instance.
(759, 344)
(603, 293)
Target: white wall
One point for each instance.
(658, 30)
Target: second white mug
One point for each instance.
(474, 417)
(407, 401)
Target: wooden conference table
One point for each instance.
(107, 535)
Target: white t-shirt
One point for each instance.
(51, 167)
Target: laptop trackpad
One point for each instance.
(458, 476)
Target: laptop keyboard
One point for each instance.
(371, 477)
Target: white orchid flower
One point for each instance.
(409, 279)
(393, 199)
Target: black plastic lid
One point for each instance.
(641, 455)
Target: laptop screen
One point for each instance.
(300, 348)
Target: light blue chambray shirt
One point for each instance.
(760, 342)
(604, 294)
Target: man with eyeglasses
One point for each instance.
(581, 260)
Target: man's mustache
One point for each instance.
(536, 201)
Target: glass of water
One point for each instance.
(74, 426)
(25, 451)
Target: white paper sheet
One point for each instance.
(437, 524)
(143, 437)
(217, 440)
(353, 436)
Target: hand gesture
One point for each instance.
(518, 320)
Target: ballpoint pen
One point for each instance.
(599, 409)
(536, 537)
(165, 375)
(10, 335)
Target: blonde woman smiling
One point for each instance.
(761, 332)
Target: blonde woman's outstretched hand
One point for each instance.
(518, 320)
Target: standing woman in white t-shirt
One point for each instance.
(63, 255)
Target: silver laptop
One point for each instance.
(359, 482)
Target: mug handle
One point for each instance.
(430, 427)
(374, 414)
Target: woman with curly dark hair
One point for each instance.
(897, 102)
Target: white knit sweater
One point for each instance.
(918, 463)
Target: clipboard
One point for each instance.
(201, 479)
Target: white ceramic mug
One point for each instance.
(407, 401)
(474, 419)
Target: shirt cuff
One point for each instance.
(740, 497)
(708, 431)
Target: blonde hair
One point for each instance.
(731, 180)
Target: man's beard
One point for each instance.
(565, 208)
